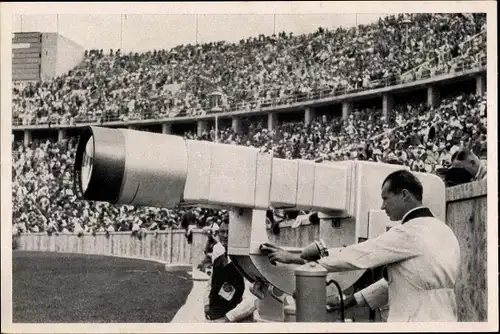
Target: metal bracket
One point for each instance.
(336, 222)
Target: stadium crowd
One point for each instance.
(253, 73)
(422, 138)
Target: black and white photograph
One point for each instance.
(249, 166)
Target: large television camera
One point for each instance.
(145, 169)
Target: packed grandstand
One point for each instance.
(257, 72)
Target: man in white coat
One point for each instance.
(421, 256)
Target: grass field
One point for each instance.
(72, 288)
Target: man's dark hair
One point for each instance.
(403, 179)
(460, 155)
(456, 176)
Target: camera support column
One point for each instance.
(310, 293)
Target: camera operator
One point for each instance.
(227, 296)
(421, 277)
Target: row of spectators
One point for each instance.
(423, 139)
(252, 73)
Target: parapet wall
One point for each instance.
(466, 215)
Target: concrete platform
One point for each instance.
(178, 267)
(193, 310)
(197, 275)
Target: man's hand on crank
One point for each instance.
(277, 254)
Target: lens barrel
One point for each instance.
(108, 164)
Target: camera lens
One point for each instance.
(87, 164)
(99, 164)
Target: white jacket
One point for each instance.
(376, 296)
(422, 258)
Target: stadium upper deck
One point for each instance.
(263, 72)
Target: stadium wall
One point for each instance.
(49, 56)
(69, 55)
(466, 215)
(58, 55)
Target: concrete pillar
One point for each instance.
(236, 124)
(309, 115)
(432, 96)
(387, 101)
(27, 137)
(272, 121)
(480, 85)
(346, 109)
(166, 128)
(61, 134)
(202, 126)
